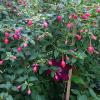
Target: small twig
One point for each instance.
(69, 85)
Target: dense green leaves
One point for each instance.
(36, 31)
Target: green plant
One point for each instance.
(40, 41)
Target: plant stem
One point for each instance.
(69, 85)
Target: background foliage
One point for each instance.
(42, 36)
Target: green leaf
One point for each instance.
(92, 93)
(77, 1)
(43, 69)
(75, 91)
(52, 74)
(32, 41)
(78, 80)
(21, 79)
(9, 97)
(24, 86)
(32, 78)
(82, 97)
(56, 53)
(73, 60)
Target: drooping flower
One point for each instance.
(6, 41)
(30, 22)
(59, 18)
(98, 9)
(29, 92)
(90, 49)
(93, 37)
(19, 49)
(45, 24)
(25, 45)
(7, 35)
(78, 37)
(69, 25)
(1, 62)
(35, 68)
(19, 87)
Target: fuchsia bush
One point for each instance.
(41, 41)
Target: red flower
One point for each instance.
(56, 77)
(6, 41)
(30, 22)
(87, 14)
(63, 64)
(7, 34)
(75, 16)
(98, 10)
(93, 37)
(91, 49)
(35, 68)
(19, 49)
(19, 87)
(59, 18)
(45, 24)
(69, 25)
(78, 37)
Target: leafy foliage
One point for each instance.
(40, 40)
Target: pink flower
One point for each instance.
(81, 31)
(50, 63)
(87, 14)
(19, 87)
(18, 31)
(75, 16)
(63, 64)
(98, 10)
(6, 41)
(45, 24)
(14, 57)
(1, 62)
(93, 37)
(7, 34)
(70, 16)
(16, 37)
(56, 77)
(35, 68)
(59, 18)
(29, 92)
(84, 17)
(78, 37)
(19, 49)
(91, 49)
(25, 45)
(69, 25)
(30, 22)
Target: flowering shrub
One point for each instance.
(40, 41)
